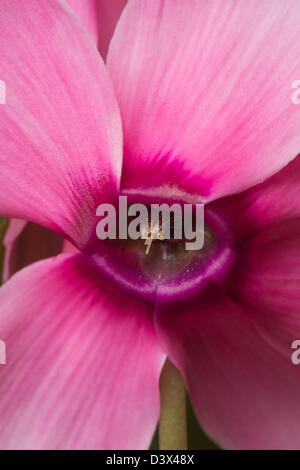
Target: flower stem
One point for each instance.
(172, 430)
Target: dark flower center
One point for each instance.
(149, 267)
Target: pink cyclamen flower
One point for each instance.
(193, 105)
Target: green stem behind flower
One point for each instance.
(172, 423)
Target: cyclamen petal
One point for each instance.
(243, 388)
(252, 211)
(86, 10)
(60, 131)
(99, 18)
(204, 89)
(269, 278)
(83, 362)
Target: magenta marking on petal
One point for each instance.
(165, 169)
